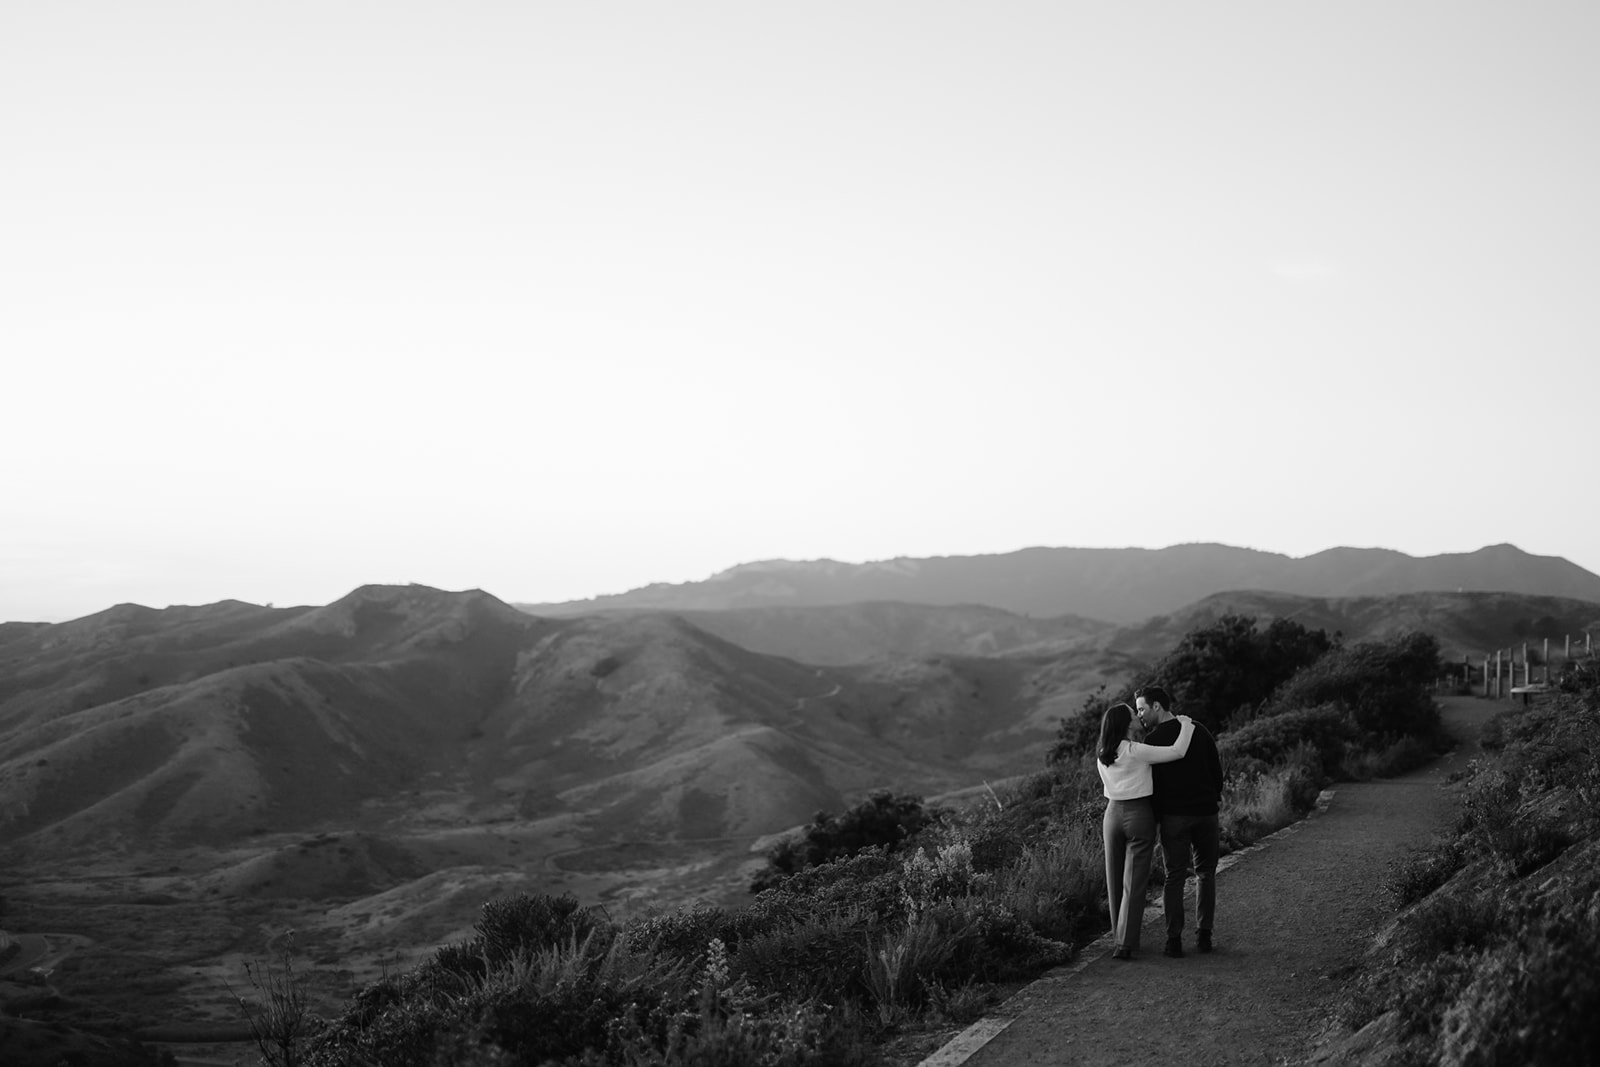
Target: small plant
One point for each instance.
(946, 876)
(1417, 875)
(899, 970)
(1057, 886)
(962, 1005)
(528, 922)
(280, 1018)
(884, 821)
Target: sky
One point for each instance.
(561, 299)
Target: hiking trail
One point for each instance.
(1293, 919)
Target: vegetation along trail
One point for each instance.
(1292, 920)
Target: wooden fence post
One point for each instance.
(1547, 661)
(1497, 674)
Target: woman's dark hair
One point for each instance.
(1113, 729)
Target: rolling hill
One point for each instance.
(215, 724)
(218, 723)
(1119, 585)
(839, 634)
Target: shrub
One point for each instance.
(1382, 684)
(1057, 885)
(1257, 802)
(962, 1005)
(1452, 922)
(529, 922)
(799, 1035)
(1415, 876)
(884, 820)
(817, 958)
(1220, 674)
(688, 930)
(947, 875)
(1392, 759)
(562, 1000)
(900, 969)
(1531, 1002)
(1226, 670)
(991, 942)
(871, 881)
(1327, 729)
(281, 1020)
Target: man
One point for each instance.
(1188, 795)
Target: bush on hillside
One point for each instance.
(1264, 741)
(1579, 676)
(884, 820)
(522, 924)
(1382, 684)
(1219, 675)
(1259, 798)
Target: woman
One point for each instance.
(1130, 820)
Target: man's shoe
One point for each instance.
(1122, 954)
(1174, 948)
(1203, 941)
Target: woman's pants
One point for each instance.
(1130, 839)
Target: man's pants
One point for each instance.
(1190, 845)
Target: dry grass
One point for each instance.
(1256, 806)
(1051, 885)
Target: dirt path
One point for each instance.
(1291, 920)
(42, 950)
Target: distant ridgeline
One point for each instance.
(1119, 585)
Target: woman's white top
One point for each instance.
(1129, 777)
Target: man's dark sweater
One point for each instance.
(1193, 784)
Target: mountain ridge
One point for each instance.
(139, 723)
(1117, 585)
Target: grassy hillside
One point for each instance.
(879, 631)
(1492, 955)
(1464, 623)
(211, 724)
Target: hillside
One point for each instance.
(212, 724)
(398, 707)
(876, 632)
(204, 724)
(1120, 585)
(1466, 624)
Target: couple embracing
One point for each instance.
(1162, 777)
